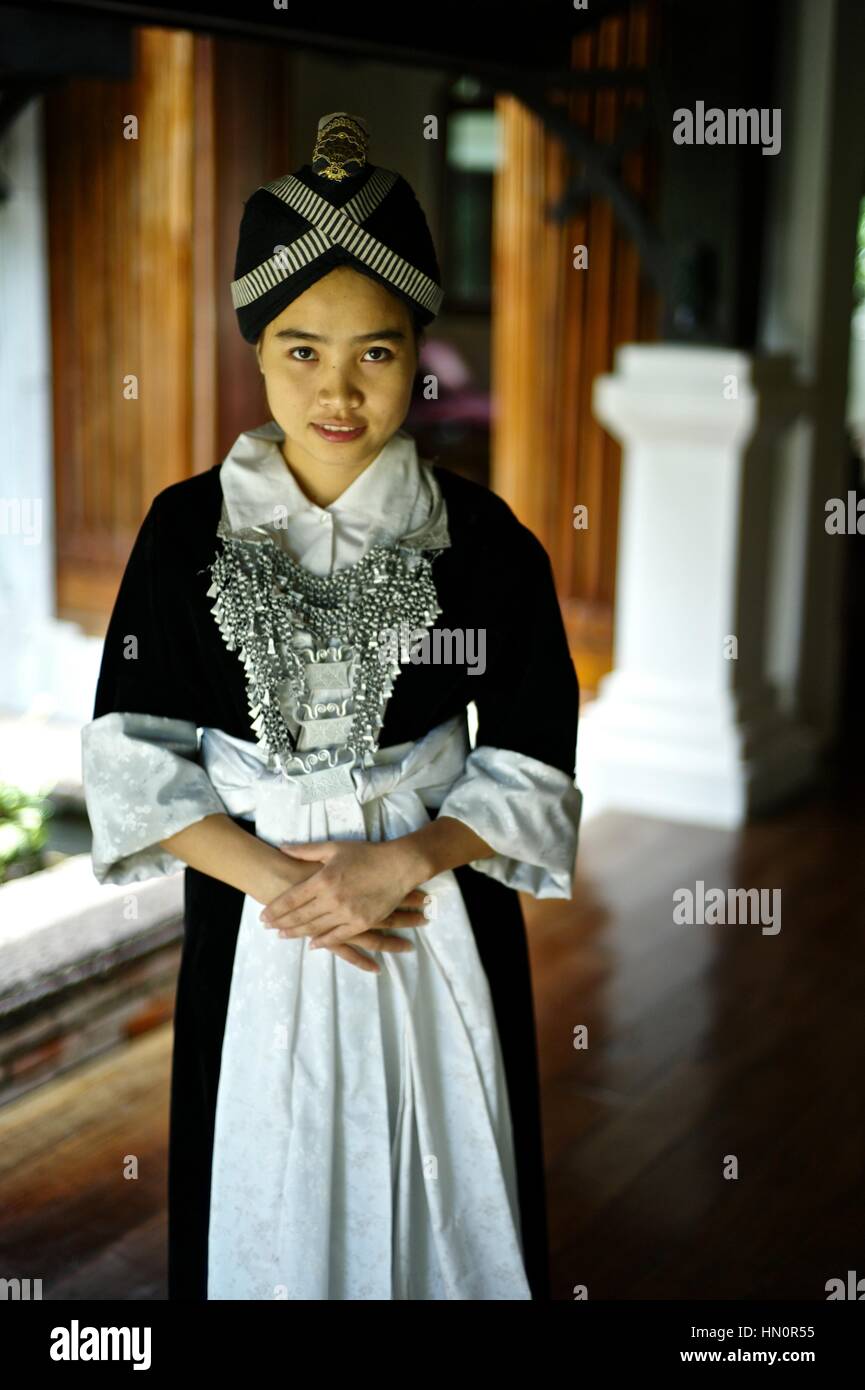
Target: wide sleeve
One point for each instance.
(143, 781)
(518, 790)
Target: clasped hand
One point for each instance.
(359, 890)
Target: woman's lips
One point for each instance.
(338, 436)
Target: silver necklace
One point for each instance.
(264, 598)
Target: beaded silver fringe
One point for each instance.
(264, 598)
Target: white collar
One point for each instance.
(395, 493)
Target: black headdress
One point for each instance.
(338, 210)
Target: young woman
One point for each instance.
(297, 644)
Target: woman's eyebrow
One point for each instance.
(394, 334)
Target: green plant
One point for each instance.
(22, 827)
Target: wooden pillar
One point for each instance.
(555, 328)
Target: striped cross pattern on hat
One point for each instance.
(336, 227)
(397, 251)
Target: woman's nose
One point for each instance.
(338, 387)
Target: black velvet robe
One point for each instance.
(495, 576)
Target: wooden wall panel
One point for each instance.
(204, 269)
(252, 137)
(142, 237)
(120, 218)
(555, 328)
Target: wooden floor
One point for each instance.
(706, 1044)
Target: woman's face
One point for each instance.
(343, 352)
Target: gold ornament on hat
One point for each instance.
(340, 150)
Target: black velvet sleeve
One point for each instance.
(143, 668)
(528, 697)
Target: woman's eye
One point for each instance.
(293, 351)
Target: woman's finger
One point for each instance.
(416, 898)
(382, 941)
(313, 928)
(293, 898)
(405, 919)
(372, 941)
(347, 953)
(373, 938)
(395, 919)
(297, 918)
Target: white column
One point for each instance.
(687, 725)
(49, 666)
